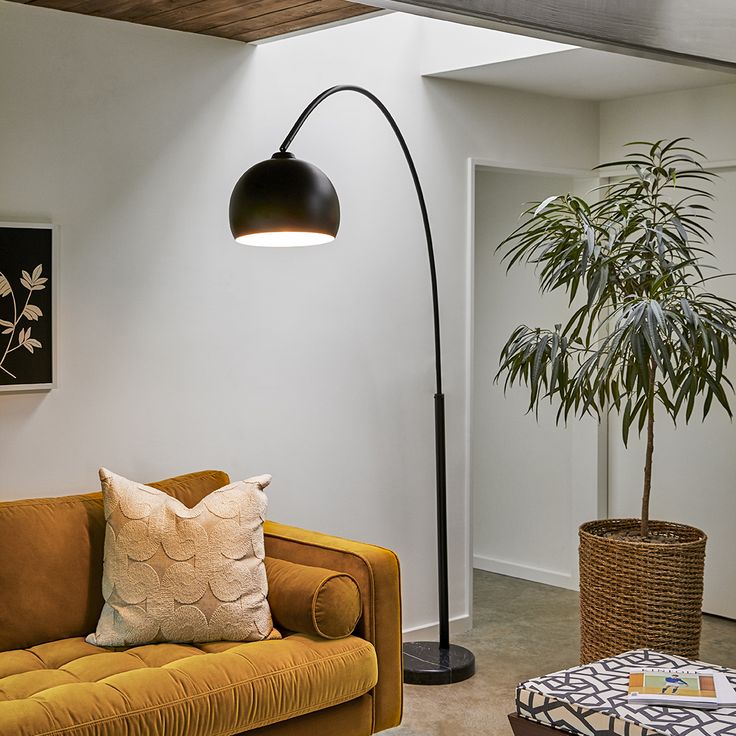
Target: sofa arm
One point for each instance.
(376, 571)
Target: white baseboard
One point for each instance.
(430, 632)
(525, 572)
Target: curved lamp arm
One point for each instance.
(308, 110)
(424, 662)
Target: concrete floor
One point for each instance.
(521, 630)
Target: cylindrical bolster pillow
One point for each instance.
(312, 600)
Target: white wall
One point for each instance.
(695, 465)
(533, 482)
(179, 349)
(521, 467)
(705, 114)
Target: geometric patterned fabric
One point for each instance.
(590, 700)
(177, 574)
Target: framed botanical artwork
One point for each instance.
(28, 285)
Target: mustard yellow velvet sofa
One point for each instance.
(53, 683)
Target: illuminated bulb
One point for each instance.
(285, 239)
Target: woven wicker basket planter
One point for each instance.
(640, 595)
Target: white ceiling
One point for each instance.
(587, 74)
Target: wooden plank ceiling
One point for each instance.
(241, 20)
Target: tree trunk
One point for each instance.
(649, 454)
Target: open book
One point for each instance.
(681, 688)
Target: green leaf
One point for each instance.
(544, 204)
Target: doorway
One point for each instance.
(532, 482)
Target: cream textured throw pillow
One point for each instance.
(172, 573)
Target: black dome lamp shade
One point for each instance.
(283, 202)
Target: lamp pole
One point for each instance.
(425, 663)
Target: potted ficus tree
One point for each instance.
(644, 333)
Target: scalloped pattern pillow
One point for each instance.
(177, 574)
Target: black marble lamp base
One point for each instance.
(425, 663)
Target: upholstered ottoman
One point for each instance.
(590, 700)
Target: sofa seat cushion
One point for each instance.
(214, 689)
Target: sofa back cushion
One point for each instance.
(51, 561)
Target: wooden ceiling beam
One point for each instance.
(242, 20)
(297, 25)
(55, 4)
(191, 17)
(295, 14)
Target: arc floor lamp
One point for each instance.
(287, 202)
